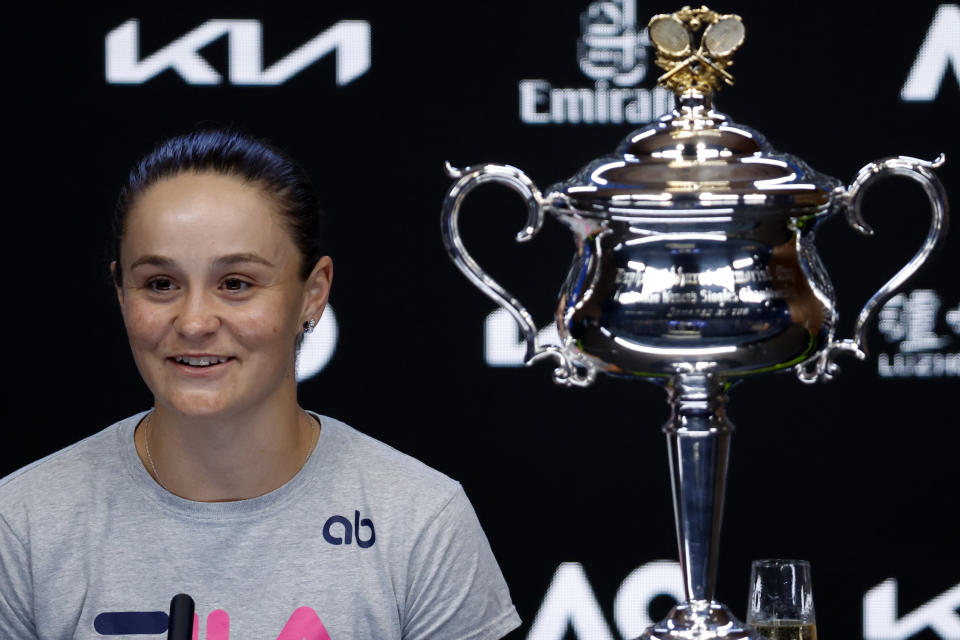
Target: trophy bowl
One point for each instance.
(695, 266)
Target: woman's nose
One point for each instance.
(197, 317)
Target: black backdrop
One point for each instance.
(858, 476)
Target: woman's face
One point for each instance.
(212, 297)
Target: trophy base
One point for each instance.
(700, 621)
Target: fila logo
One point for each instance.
(304, 624)
(349, 40)
(940, 51)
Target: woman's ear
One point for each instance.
(317, 289)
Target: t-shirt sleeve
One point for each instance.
(15, 587)
(455, 588)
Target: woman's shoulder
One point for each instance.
(376, 463)
(68, 471)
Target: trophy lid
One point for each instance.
(694, 158)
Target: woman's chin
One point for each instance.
(199, 405)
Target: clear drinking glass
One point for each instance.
(780, 604)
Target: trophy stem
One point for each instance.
(698, 443)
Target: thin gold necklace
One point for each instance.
(314, 432)
(146, 445)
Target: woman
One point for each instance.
(279, 522)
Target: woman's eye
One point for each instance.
(235, 284)
(161, 284)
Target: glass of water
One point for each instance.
(780, 604)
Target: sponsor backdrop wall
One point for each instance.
(859, 476)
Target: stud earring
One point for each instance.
(309, 325)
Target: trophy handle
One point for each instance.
(824, 366)
(571, 371)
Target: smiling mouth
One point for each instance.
(200, 361)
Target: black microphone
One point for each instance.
(181, 618)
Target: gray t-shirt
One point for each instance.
(364, 542)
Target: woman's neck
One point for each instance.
(223, 458)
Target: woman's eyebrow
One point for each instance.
(157, 261)
(235, 258)
(227, 260)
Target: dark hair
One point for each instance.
(231, 153)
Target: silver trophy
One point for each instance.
(695, 266)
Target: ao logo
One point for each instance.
(349, 39)
(318, 346)
(570, 605)
(939, 51)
